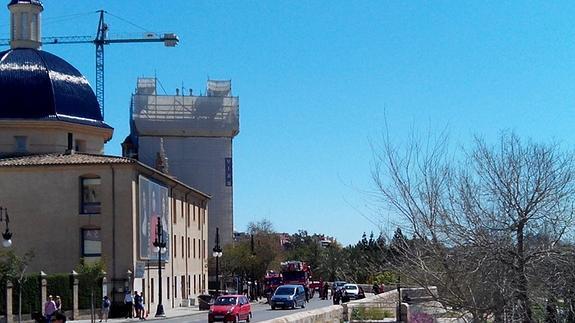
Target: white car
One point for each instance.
(353, 291)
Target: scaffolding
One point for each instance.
(214, 115)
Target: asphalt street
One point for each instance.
(261, 312)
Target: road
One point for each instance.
(261, 312)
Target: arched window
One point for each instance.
(91, 195)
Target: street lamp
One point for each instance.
(253, 284)
(7, 235)
(399, 298)
(217, 253)
(129, 278)
(160, 247)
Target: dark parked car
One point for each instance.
(288, 296)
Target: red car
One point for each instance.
(230, 308)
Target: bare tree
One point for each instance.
(472, 218)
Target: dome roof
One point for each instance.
(35, 84)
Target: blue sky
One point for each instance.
(318, 79)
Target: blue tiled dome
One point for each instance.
(35, 84)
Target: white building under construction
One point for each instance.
(193, 136)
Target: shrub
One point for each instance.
(370, 313)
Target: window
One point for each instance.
(34, 24)
(91, 243)
(188, 249)
(182, 251)
(152, 294)
(90, 196)
(175, 287)
(175, 213)
(183, 286)
(21, 144)
(168, 286)
(204, 249)
(175, 244)
(194, 245)
(25, 25)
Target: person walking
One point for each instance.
(139, 304)
(375, 288)
(58, 302)
(129, 304)
(325, 290)
(49, 308)
(105, 308)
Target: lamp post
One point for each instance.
(129, 278)
(160, 247)
(7, 235)
(399, 298)
(253, 255)
(217, 253)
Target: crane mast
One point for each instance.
(101, 39)
(99, 42)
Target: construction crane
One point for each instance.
(101, 39)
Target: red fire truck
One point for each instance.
(295, 272)
(272, 280)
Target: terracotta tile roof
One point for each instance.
(63, 159)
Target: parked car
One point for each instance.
(352, 291)
(288, 296)
(230, 308)
(337, 285)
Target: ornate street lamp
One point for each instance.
(160, 248)
(217, 253)
(7, 235)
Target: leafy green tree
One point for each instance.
(13, 267)
(91, 274)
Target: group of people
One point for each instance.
(135, 302)
(53, 310)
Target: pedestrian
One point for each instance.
(306, 289)
(58, 302)
(375, 288)
(336, 297)
(49, 308)
(129, 304)
(325, 290)
(105, 308)
(139, 304)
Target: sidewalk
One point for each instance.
(170, 313)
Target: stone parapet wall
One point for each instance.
(330, 314)
(336, 313)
